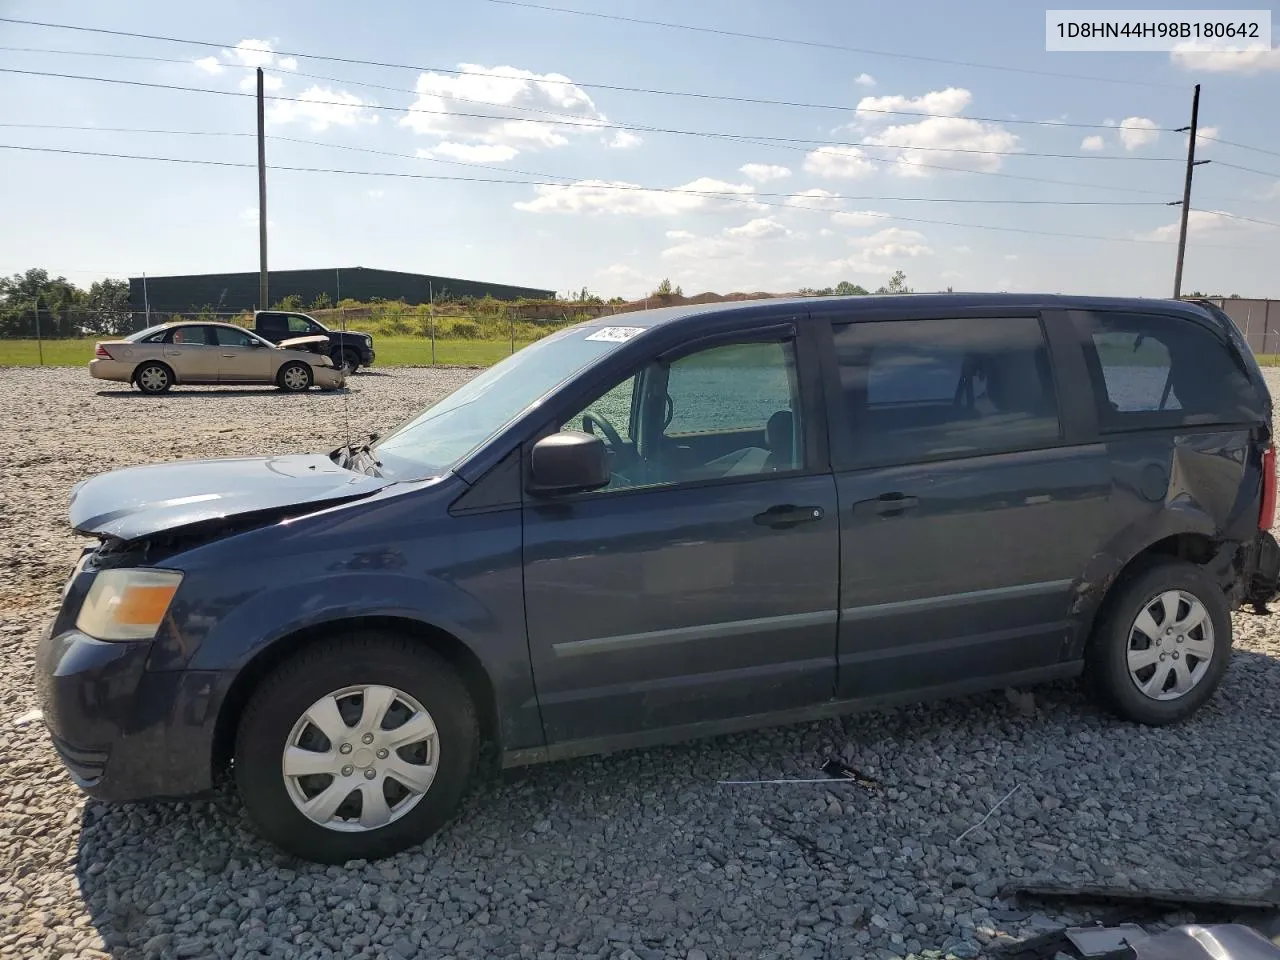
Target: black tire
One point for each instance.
(1106, 657)
(331, 665)
(153, 377)
(288, 371)
(347, 361)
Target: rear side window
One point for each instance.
(1151, 371)
(934, 389)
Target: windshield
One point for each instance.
(444, 433)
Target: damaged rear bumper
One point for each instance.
(1261, 580)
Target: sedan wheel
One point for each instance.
(360, 758)
(295, 377)
(154, 378)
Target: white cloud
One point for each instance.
(865, 80)
(321, 107)
(814, 198)
(948, 102)
(1011, 256)
(620, 197)
(287, 63)
(762, 228)
(621, 270)
(857, 218)
(1094, 142)
(962, 250)
(1205, 136)
(1190, 57)
(625, 140)
(471, 153)
(376, 194)
(511, 93)
(1273, 193)
(1137, 132)
(826, 232)
(1202, 223)
(843, 162)
(950, 142)
(252, 53)
(764, 172)
(890, 243)
(943, 139)
(209, 64)
(679, 235)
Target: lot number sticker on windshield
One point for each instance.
(615, 334)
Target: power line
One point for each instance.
(1236, 216)
(830, 46)
(617, 88)
(1236, 166)
(599, 185)
(382, 153)
(1241, 146)
(563, 120)
(739, 198)
(601, 125)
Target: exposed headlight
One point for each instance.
(127, 604)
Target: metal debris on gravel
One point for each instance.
(638, 855)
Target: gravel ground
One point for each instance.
(637, 855)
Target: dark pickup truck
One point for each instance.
(349, 351)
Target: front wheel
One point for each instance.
(295, 377)
(1161, 648)
(356, 748)
(346, 361)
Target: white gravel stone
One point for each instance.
(639, 854)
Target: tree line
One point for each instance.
(34, 303)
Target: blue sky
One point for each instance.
(88, 217)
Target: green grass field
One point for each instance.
(391, 352)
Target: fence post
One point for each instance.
(432, 308)
(39, 342)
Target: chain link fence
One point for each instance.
(418, 335)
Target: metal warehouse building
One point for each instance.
(233, 292)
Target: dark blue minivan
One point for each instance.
(670, 524)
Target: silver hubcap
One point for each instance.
(1170, 645)
(295, 378)
(360, 758)
(153, 378)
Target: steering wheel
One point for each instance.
(591, 418)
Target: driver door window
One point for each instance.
(728, 411)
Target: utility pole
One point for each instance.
(261, 195)
(1186, 192)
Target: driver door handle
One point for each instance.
(887, 505)
(786, 515)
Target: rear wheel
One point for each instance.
(356, 749)
(153, 378)
(294, 376)
(1162, 646)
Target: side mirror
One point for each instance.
(569, 462)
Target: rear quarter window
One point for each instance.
(1152, 371)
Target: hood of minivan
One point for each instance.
(140, 501)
